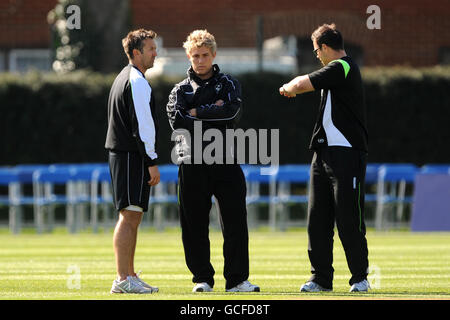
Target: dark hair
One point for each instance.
(134, 40)
(328, 34)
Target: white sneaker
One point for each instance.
(129, 285)
(244, 286)
(202, 287)
(362, 286)
(311, 286)
(143, 283)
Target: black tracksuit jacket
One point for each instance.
(194, 92)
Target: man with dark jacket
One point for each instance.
(338, 166)
(213, 100)
(131, 141)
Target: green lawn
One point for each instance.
(404, 265)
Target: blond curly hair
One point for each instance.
(200, 38)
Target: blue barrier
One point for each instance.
(435, 168)
(285, 178)
(287, 175)
(89, 183)
(395, 177)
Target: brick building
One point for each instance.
(413, 32)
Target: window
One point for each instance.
(2, 61)
(444, 55)
(22, 60)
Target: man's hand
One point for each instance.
(154, 175)
(219, 103)
(298, 85)
(193, 112)
(284, 91)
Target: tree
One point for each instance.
(87, 34)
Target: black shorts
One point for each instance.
(129, 179)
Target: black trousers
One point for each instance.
(337, 195)
(197, 184)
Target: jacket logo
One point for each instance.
(320, 140)
(218, 87)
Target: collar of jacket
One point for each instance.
(133, 66)
(193, 76)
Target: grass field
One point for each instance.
(404, 265)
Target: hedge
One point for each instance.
(49, 118)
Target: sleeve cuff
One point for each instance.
(149, 162)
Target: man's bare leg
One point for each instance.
(133, 251)
(124, 242)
